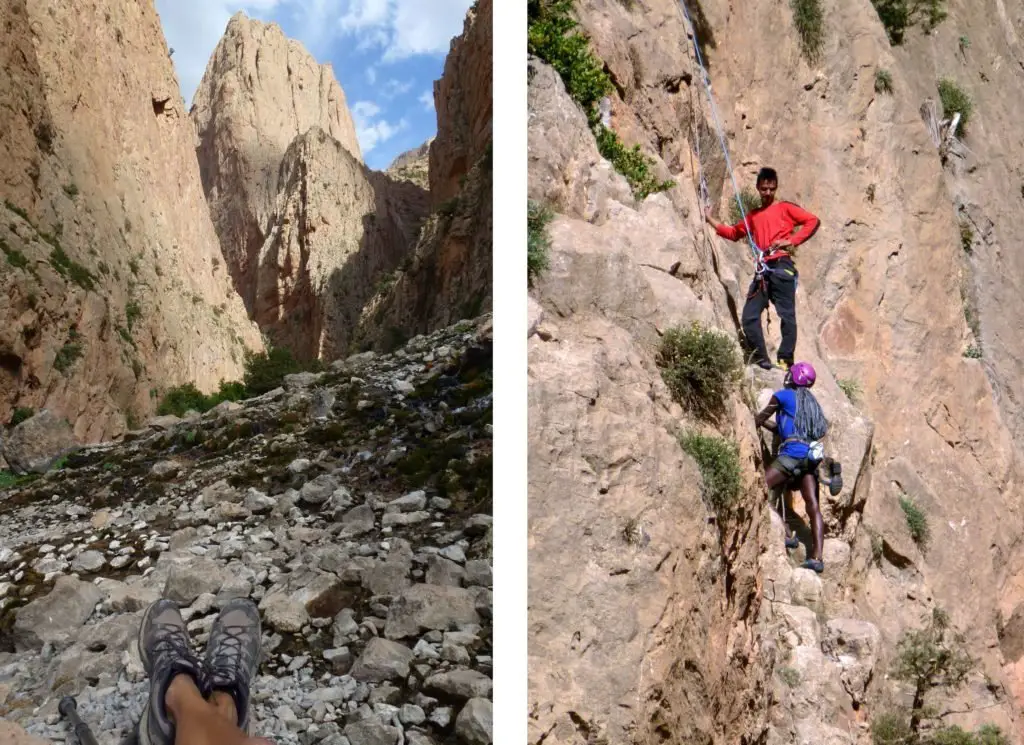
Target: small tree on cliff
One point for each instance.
(932, 657)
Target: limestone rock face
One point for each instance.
(307, 230)
(448, 276)
(886, 302)
(462, 99)
(413, 165)
(260, 92)
(337, 228)
(112, 283)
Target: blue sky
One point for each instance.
(386, 54)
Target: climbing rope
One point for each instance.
(759, 266)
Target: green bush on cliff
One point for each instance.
(899, 15)
(987, 734)
(264, 371)
(719, 464)
(187, 397)
(891, 728)
(21, 414)
(631, 163)
(537, 242)
(955, 101)
(700, 367)
(553, 36)
(932, 657)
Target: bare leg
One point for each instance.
(775, 478)
(809, 491)
(201, 722)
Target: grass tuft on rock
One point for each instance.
(751, 201)
(700, 366)
(850, 387)
(67, 356)
(883, 81)
(917, 521)
(809, 18)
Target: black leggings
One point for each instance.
(779, 288)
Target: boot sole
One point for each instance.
(142, 736)
(142, 647)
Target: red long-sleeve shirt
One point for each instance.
(774, 223)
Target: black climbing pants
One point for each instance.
(778, 286)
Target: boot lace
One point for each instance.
(232, 658)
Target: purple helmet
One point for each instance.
(802, 374)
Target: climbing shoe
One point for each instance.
(835, 481)
(815, 564)
(166, 652)
(766, 365)
(233, 653)
(784, 365)
(792, 542)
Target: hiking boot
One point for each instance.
(816, 564)
(233, 653)
(166, 652)
(835, 482)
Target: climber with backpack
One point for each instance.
(771, 228)
(801, 425)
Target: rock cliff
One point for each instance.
(413, 165)
(447, 276)
(307, 230)
(716, 635)
(259, 93)
(338, 228)
(112, 286)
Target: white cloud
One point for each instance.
(365, 109)
(400, 28)
(365, 14)
(425, 28)
(394, 88)
(370, 130)
(404, 28)
(427, 99)
(371, 75)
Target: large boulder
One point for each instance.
(35, 444)
(54, 617)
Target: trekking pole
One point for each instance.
(69, 710)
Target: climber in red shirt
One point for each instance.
(772, 226)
